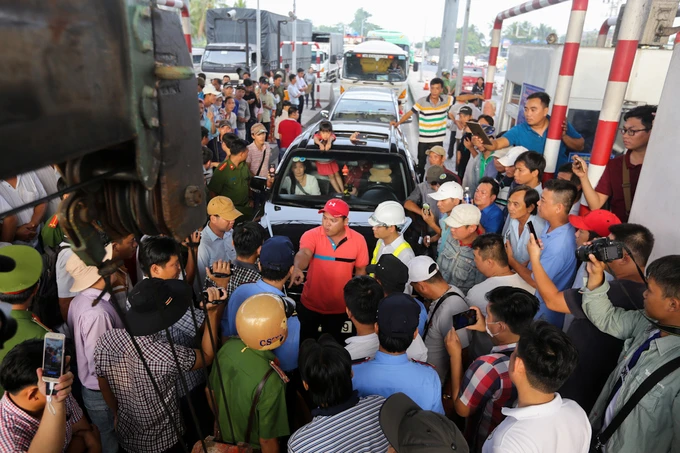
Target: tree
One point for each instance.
(361, 17)
(337, 28)
(240, 4)
(197, 10)
(524, 32)
(475, 40)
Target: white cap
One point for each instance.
(388, 213)
(508, 160)
(464, 215)
(421, 268)
(210, 89)
(448, 190)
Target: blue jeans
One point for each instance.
(102, 416)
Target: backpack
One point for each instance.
(46, 301)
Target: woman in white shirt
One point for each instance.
(304, 184)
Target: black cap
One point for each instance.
(410, 429)
(156, 304)
(392, 273)
(398, 315)
(465, 110)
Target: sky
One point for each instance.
(401, 14)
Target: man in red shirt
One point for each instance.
(331, 253)
(637, 128)
(289, 129)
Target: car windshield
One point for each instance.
(375, 67)
(369, 180)
(216, 58)
(364, 110)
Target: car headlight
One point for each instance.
(402, 95)
(342, 89)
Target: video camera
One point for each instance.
(604, 249)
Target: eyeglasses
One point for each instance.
(631, 132)
(299, 159)
(379, 223)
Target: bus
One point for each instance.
(395, 37)
(376, 63)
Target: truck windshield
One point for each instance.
(375, 67)
(222, 58)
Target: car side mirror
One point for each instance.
(334, 59)
(415, 66)
(324, 113)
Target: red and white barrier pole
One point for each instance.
(186, 20)
(496, 37)
(572, 44)
(317, 105)
(604, 29)
(630, 31)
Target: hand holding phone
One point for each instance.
(464, 319)
(532, 230)
(53, 357)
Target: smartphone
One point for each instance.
(477, 130)
(53, 357)
(578, 163)
(464, 319)
(426, 209)
(532, 230)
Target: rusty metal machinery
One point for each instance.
(104, 89)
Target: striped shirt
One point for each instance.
(432, 118)
(353, 426)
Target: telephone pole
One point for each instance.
(448, 39)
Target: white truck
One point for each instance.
(327, 53)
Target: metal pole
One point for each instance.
(422, 55)
(258, 27)
(293, 66)
(448, 38)
(496, 36)
(563, 89)
(631, 28)
(248, 59)
(604, 29)
(463, 49)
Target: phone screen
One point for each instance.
(464, 319)
(53, 358)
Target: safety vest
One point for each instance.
(396, 252)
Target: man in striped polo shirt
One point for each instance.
(432, 111)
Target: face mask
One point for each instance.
(488, 331)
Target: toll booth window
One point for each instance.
(516, 93)
(585, 122)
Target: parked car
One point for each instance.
(378, 167)
(373, 105)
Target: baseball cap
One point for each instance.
(210, 89)
(434, 174)
(388, 213)
(223, 207)
(463, 215)
(258, 128)
(277, 253)
(84, 276)
(465, 110)
(598, 221)
(437, 149)
(20, 268)
(391, 271)
(421, 268)
(336, 208)
(223, 123)
(410, 429)
(156, 304)
(398, 315)
(513, 153)
(445, 73)
(448, 190)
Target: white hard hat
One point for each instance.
(388, 213)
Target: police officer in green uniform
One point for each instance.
(18, 286)
(232, 178)
(245, 363)
(52, 234)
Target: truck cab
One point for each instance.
(230, 59)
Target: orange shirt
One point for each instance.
(331, 267)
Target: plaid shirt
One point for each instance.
(487, 385)
(17, 428)
(143, 424)
(184, 333)
(241, 274)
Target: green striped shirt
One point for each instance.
(432, 118)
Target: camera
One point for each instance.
(211, 284)
(604, 249)
(217, 274)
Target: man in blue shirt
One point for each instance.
(276, 265)
(216, 243)
(485, 199)
(533, 133)
(558, 243)
(391, 371)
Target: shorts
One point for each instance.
(327, 168)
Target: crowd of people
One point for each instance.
(491, 334)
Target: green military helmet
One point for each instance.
(20, 268)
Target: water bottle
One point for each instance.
(466, 196)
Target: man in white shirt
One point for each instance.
(492, 261)
(295, 95)
(387, 221)
(446, 301)
(542, 421)
(362, 295)
(302, 87)
(16, 192)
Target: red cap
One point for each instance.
(336, 208)
(598, 221)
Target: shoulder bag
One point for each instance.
(257, 182)
(436, 307)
